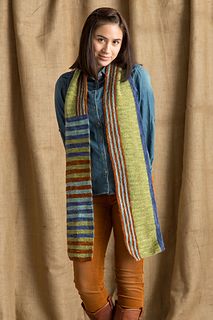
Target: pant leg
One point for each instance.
(89, 275)
(128, 271)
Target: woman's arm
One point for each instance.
(61, 88)
(143, 85)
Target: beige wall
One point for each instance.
(39, 41)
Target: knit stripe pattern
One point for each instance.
(143, 234)
(129, 158)
(149, 173)
(118, 161)
(80, 217)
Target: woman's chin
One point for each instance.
(102, 63)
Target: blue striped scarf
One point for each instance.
(129, 156)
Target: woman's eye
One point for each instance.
(100, 40)
(116, 42)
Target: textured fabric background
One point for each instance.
(38, 42)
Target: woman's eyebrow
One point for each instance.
(100, 35)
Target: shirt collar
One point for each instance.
(101, 73)
(102, 70)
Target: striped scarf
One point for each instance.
(129, 157)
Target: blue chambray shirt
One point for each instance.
(102, 173)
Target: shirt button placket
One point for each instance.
(102, 146)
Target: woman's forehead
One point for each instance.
(109, 30)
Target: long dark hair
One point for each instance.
(86, 60)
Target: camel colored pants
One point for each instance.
(89, 275)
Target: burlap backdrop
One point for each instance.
(39, 41)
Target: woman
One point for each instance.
(105, 112)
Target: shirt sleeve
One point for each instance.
(61, 88)
(146, 101)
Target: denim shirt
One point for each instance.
(102, 172)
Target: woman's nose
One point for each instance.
(106, 48)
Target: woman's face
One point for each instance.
(106, 42)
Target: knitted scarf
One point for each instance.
(129, 157)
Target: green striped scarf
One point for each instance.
(129, 157)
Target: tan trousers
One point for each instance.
(89, 275)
